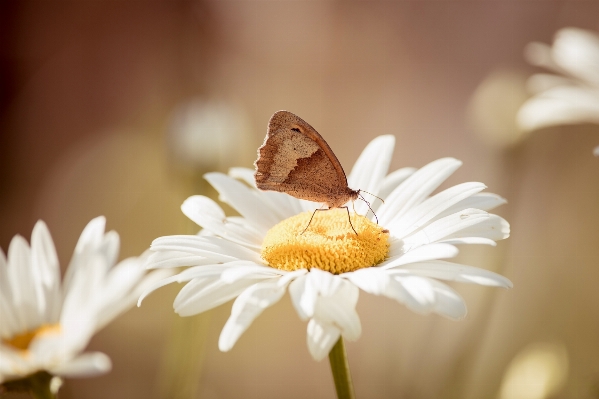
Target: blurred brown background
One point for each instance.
(100, 103)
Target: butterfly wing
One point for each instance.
(296, 160)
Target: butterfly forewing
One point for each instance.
(296, 160)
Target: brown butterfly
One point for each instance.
(296, 160)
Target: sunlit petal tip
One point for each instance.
(86, 365)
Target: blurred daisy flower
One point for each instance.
(257, 257)
(46, 325)
(571, 94)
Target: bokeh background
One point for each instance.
(118, 108)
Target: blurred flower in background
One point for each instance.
(571, 95)
(207, 134)
(538, 371)
(45, 325)
(493, 105)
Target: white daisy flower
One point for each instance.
(258, 256)
(571, 95)
(45, 326)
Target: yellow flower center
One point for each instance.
(329, 243)
(22, 341)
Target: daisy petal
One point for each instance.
(431, 207)
(214, 248)
(416, 188)
(454, 272)
(448, 303)
(420, 292)
(249, 305)
(173, 259)
(203, 294)
(282, 204)
(425, 252)
(235, 273)
(321, 338)
(458, 225)
(243, 200)
(394, 179)
(373, 280)
(86, 365)
(45, 260)
(371, 167)
(22, 280)
(207, 214)
(482, 201)
(470, 240)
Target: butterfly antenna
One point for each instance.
(364, 191)
(368, 204)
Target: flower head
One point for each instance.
(45, 326)
(571, 95)
(257, 257)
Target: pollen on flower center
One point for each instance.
(328, 244)
(22, 341)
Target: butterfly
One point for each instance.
(296, 160)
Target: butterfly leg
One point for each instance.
(349, 218)
(316, 210)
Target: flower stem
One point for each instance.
(40, 386)
(341, 373)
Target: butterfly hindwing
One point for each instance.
(296, 160)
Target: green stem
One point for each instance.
(37, 384)
(341, 373)
(40, 386)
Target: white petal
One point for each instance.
(23, 282)
(247, 307)
(393, 180)
(243, 199)
(482, 201)
(340, 310)
(431, 208)
(469, 240)
(282, 204)
(200, 295)
(454, 272)
(373, 280)
(371, 167)
(207, 214)
(420, 293)
(577, 51)
(448, 303)
(416, 188)
(173, 259)
(305, 290)
(84, 294)
(10, 323)
(461, 224)
(92, 235)
(45, 263)
(425, 252)
(560, 106)
(495, 228)
(244, 174)
(197, 272)
(297, 291)
(86, 365)
(247, 270)
(321, 338)
(214, 248)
